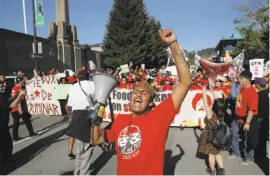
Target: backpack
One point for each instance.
(220, 137)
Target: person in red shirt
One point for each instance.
(142, 74)
(130, 84)
(20, 111)
(245, 126)
(197, 85)
(140, 149)
(123, 83)
(168, 85)
(199, 74)
(226, 86)
(52, 72)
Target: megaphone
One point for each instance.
(104, 84)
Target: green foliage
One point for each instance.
(254, 27)
(132, 34)
(156, 47)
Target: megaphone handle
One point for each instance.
(93, 133)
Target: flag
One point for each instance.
(39, 13)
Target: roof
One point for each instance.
(226, 39)
(95, 45)
(22, 36)
(97, 49)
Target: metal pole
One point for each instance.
(24, 17)
(35, 33)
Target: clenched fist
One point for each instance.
(167, 36)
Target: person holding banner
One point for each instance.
(140, 149)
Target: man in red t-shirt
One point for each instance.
(245, 125)
(140, 148)
(20, 111)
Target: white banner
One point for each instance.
(256, 68)
(191, 113)
(40, 96)
(238, 62)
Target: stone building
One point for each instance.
(16, 50)
(61, 50)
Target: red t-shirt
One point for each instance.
(195, 87)
(140, 149)
(226, 88)
(70, 79)
(247, 99)
(122, 86)
(130, 85)
(167, 88)
(16, 89)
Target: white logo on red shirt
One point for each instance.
(129, 140)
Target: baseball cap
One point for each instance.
(19, 78)
(261, 81)
(83, 74)
(246, 74)
(199, 80)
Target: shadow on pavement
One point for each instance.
(198, 139)
(263, 164)
(59, 140)
(28, 153)
(67, 173)
(171, 161)
(100, 162)
(22, 122)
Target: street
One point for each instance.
(181, 157)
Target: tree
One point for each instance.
(132, 34)
(126, 36)
(157, 53)
(254, 27)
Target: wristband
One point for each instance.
(247, 122)
(172, 42)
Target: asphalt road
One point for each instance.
(183, 160)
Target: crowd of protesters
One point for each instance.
(244, 102)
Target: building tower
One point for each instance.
(68, 49)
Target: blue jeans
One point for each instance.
(239, 141)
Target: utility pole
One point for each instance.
(35, 34)
(24, 17)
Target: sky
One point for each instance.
(198, 24)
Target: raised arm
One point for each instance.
(182, 67)
(17, 99)
(213, 93)
(205, 103)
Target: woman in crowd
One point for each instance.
(123, 83)
(218, 89)
(168, 84)
(215, 116)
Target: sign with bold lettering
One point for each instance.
(192, 112)
(40, 96)
(256, 68)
